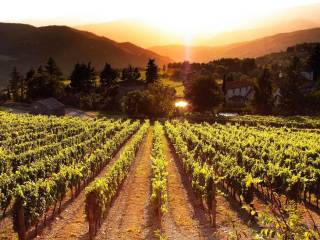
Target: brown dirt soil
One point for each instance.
(185, 219)
(131, 216)
(71, 222)
(232, 220)
(6, 231)
(309, 212)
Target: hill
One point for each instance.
(26, 46)
(254, 48)
(149, 34)
(134, 31)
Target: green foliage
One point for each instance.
(45, 82)
(152, 72)
(274, 121)
(263, 93)
(314, 62)
(205, 93)
(156, 101)
(83, 77)
(108, 76)
(100, 193)
(90, 101)
(285, 223)
(291, 96)
(66, 152)
(159, 172)
(131, 74)
(160, 235)
(15, 83)
(187, 146)
(136, 103)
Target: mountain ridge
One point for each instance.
(254, 48)
(25, 46)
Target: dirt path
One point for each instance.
(185, 218)
(71, 223)
(130, 216)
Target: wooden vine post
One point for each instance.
(91, 216)
(214, 205)
(19, 219)
(211, 200)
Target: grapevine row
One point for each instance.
(100, 193)
(159, 172)
(33, 199)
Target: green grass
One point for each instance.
(177, 85)
(4, 109)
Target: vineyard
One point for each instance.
(104, 178)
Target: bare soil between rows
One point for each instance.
(131, 216)
(71, 222)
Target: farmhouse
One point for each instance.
(48, 106)
(239, 93)
(306, 85)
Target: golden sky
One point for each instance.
(186, 17)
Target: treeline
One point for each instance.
(90, 89)
(277, 87)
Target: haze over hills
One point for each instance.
(134, 31)
(26, 46)
(148, 35)
(254, 48)
(252, 34)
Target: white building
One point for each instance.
(306, 85)
(239, 92)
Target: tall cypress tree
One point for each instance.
(14, 83)
(291, 96)
(52, 68)
(83, 77)
(108, 76)
(152, 72)
(263, 93)
(314, 62)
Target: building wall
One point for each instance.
(241, 92)
(38, 108)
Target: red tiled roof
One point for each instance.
(238, 84)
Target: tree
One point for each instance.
(52, 69)
(45, 82)
(204, 93)
(136, 103)
(152, 72)
(53, 76)
(76, 78)
(314, 62)
(131, 74)
(224, 85)
(162, 99)
(291, 96)
(136, 75)
(263, 93)
(14, 83)
(108, 76)
(83, 77)
(29, 81)
(156, 101)
(38, 84)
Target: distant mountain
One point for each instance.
(148, 34)
(254, 48)
(25, 46)
(272, 28)
(137, 32)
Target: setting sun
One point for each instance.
(159, 119)
(181, 104)
(188, 20)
